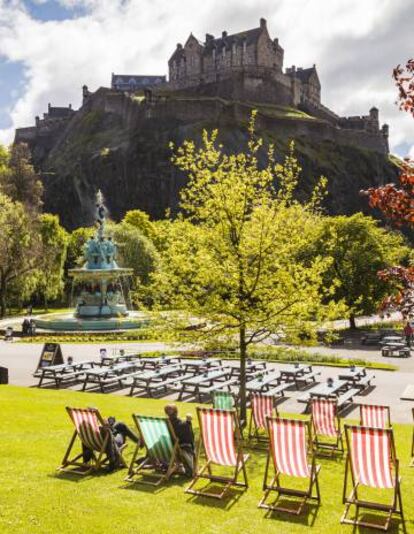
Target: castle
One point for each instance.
(252, 54)
(242, 67)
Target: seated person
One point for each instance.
(118, 433)
(184, 432)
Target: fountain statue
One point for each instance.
(97, 287)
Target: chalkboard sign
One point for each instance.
(51, 355)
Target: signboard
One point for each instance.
(51, 355)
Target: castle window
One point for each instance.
(214, 54)
(244, 47)
(223, 52)
(234, 49)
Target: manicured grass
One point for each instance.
(34, 434)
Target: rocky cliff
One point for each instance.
(121, 145)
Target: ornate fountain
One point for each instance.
(98, 288)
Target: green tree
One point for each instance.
(20, 247)
(359, 248)
(139, 219)
(54, 240)
(19, 180)
(233, 260)
(135, 250)
(75, 246)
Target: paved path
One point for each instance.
(21, 360)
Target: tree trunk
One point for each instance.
(3, 299)
(352, 323)
(242, 391)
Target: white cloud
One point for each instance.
(138, 36)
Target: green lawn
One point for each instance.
(34, 433)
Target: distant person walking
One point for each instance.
(408, 333)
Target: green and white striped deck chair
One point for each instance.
(162, 449)
(223, 400)
(88, 423)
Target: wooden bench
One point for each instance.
(219, 386)
(278, 390)
(364, 382)
(308, 376)
(347, 397)
(164, 385)
(391, 350)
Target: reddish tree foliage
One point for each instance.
(404, 80)
(397, 203)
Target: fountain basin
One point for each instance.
(67, 322)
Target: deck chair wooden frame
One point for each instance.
(228, 422)
(151, 471)
(326, 423)
(258, 416)
(88, 424)
(375, 415)
(281, 433)
(374, 443)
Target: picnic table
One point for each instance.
(340, 389)
(63, 372)
(152, 363)
(252, 366)
(353, 374)
(298, 373)
(201, 364)
(206, 382)
(155, 379)
(105, 376)
(113, 360)
(263, 382)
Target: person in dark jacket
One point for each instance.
(185, 435)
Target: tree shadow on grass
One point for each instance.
(306, 518)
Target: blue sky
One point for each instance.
(50, 48)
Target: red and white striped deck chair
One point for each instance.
(262, 406)
(326, 425)
(290, 450)
(88, 424)
(371, 463)
(374, 416)
(220, 443)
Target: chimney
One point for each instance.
(37, 119)
(263, 23)
(70, 106)
(209, 37)
(49, 106)
(224, 35)
(179, 46)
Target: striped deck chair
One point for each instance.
(371, 462)
(290, 449)
(262, 406)
(326, 425)
(223, 400)
(162, 449)
(88, 429)
(375, 416)
(220, 441)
